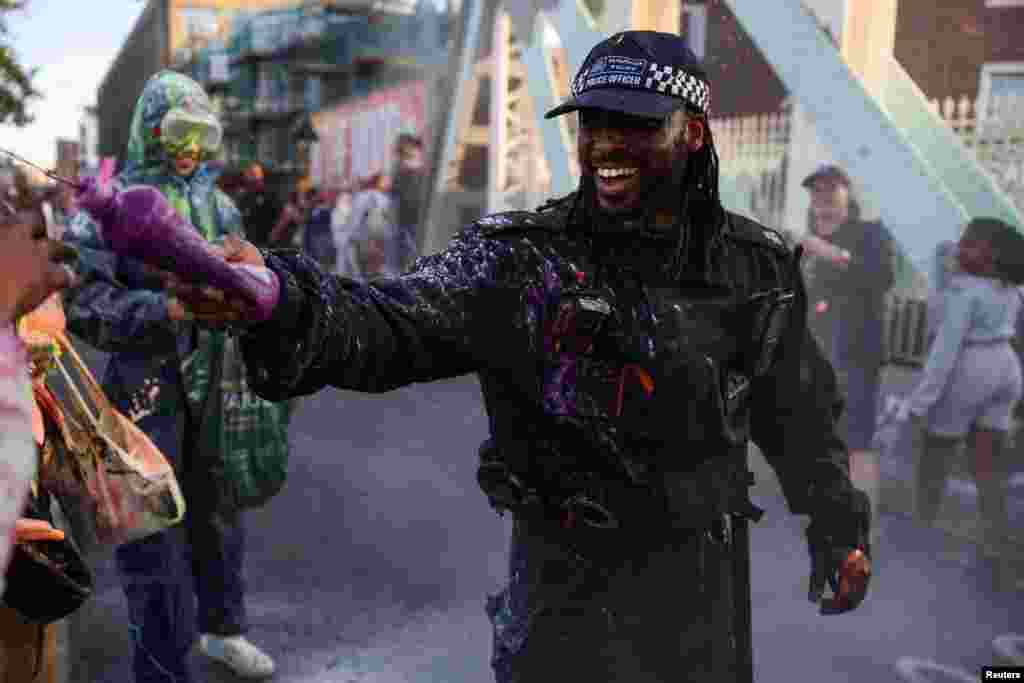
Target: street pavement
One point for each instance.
(372, 566)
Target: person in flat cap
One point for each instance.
(630, 339)
(847, 282)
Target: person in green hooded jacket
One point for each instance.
(122, 307)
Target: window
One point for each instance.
(694, 27)
(405, 7)
(197, 25)
(220, 67)
(1001, 83)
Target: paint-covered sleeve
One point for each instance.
(450, 315)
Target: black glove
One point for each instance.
(837, 539)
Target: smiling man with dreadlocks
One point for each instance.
(629, 340)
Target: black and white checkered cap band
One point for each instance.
(679, 83)
(659, 78)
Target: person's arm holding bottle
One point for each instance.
(451, 316)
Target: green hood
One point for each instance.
(164, 91)
(197, 197)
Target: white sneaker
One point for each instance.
(238, 654)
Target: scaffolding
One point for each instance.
(273, 32)
(276, 61)
(418, 39)
(268, 68)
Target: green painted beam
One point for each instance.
(945, 150)
(915, 202)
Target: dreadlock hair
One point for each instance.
(1007, 245)
(705, 161)
(700, 183)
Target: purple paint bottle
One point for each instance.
(139, 222)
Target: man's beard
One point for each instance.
(662, 195)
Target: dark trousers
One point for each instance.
(667, 615)
(406, 247)
(185, 580)
(860, 384)
(319, 246)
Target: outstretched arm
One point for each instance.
(442, 320)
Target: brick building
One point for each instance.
(949, 47)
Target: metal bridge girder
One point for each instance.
(578, 32)
(918, 198)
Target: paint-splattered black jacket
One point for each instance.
(647, 410)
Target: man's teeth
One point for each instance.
(615, 172)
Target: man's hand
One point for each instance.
(32, 266)
(847, 572)
(207, 305)
(840, 555)
(826, 250)
(27, 529)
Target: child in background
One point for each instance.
(182, 584)
(972, 379)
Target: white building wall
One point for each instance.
(88, 138)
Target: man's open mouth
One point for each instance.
(615, 173)
(616, 182)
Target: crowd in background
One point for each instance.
(368, 228)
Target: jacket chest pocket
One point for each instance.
(699, 369)
(657, 366)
